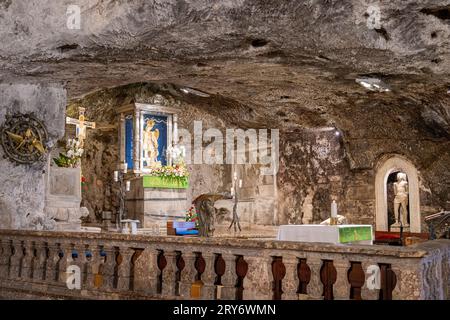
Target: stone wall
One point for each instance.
(22, 192)
(317, 163)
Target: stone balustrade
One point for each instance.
(37, 264)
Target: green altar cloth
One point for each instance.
(165, 182)
(354, 233)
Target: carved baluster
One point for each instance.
(39, 261)
(241, 267)
(123, 282)
(341, 288)
(15, 260)
(187, 275)
(290, 281)
(229, 278)
(219, 270)
(356, 278)
(208, 277)
(108, 268)
(27, 260)
(304, 277)
(168, 274)
(145, 271)
(88, 260)
(388, 281)
(328, 277)
(53, 259)
(315, 287)
(97, 263)
(278, 274)
(5, 255)
(65, 261)
(259, 278)
(180, 266)
(371, 288)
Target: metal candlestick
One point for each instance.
(235, 221)
(124, 186)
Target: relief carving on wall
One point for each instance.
(24, 138)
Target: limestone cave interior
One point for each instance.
(357, 91)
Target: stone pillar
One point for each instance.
(27, 261)
(168, 274)
(123, 281)
(175, 130)
(108, 268)
(366, 293)
(4, 257)
(14, 269)
(50, 271)
(137, 140)
(229, 278)
(89, 265)
(187, 275)
(341, 289)
(259, 279)
(64, 262)
(146, 271)
(290, 281)
(39, 261)
(315, 286)
(122, 138)
(208, 277)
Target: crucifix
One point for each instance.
(81, 124)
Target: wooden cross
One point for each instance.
(81, 124)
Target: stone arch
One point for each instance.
(386, 166)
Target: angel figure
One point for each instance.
(28, 140)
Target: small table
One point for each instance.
(338, 234)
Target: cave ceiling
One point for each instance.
(284, 63)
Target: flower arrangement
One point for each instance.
(70, 159)
(177, 172)
(191, 216)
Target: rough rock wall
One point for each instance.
(22, 191)
(317, 165)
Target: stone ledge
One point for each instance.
(418, 251)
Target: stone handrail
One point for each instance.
(37, 264)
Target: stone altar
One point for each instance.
(155, 205)
(63, 198)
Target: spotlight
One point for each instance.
(337, 133)
(373, 84)
(194, 91)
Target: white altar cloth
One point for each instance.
(337, 234)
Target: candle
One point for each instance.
(235, 175)
(116, 176)
(334, 209)
(240, 183)
(125, 167)
(128, 185)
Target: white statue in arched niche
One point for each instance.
(401, 201)
(407, 194)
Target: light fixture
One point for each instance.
(373, 84)
(199, 93)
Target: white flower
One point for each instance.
(70, 153)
